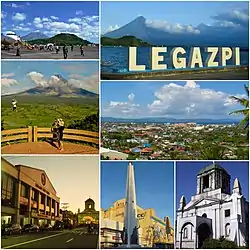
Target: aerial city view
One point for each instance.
(44, 30)
(129, 218)
(38, 96)
(38, 211)
(178, 120)
(171, 40)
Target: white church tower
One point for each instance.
(213, 212)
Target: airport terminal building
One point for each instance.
(27, 196)
(152, 230)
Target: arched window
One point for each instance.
(227, 230)
(204, 215)
(185, 233)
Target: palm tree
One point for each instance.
(244, 102)
(211, 152)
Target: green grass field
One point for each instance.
(41, 111)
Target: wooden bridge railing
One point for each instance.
(17, 134)
(70, 134)
(33, 134)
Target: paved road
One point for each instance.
(75, 238)
(47, 148)
(89, 53)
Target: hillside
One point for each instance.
(123, 41)
(62, 39)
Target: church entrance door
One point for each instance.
(204, 233)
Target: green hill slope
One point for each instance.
(61, 39)
(123, 41)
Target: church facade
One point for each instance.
(89, 215)
(214, 211)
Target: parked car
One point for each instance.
(31, 228)
(13, 229)
(46, 227)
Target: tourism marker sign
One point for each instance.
(179, 61)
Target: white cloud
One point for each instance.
(131, 97)
(90, 83)
(45, 19)
(19, 17)
(190, 101)
(38, 22)
(13, 5)
(3, 14)
(110, 28)
(54, 17)
(37, 78)
(7, 75)
(79, 12)
(21, 28)
(120, 109)
(171, 28)
(75, 20)
(7, 82)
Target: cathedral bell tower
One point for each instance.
(213, 177)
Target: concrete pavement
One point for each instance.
(89, 53)
(75, 238)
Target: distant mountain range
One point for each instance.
(61, 88)
(34, 36)
(209, 35)
(168, 120)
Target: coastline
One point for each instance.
(225, 73)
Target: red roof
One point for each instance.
(146, 150)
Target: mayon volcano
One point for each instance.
(59, 87)
(164, 33)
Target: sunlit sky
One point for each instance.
(75, 178)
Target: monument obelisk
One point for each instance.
(131, 237)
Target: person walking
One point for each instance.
(14, 105)
(65, 52)
(72, 48)
(3, 230)
(81, 48)
(57, 49)
(18, 50)
(60, 129)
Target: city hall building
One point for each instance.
(214, 212)
(152, 230)
(27, 196)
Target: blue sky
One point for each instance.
(51, 18)
(186, 172)
(154, 185)
(177, 15)
(177, 99)
(17, 77)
